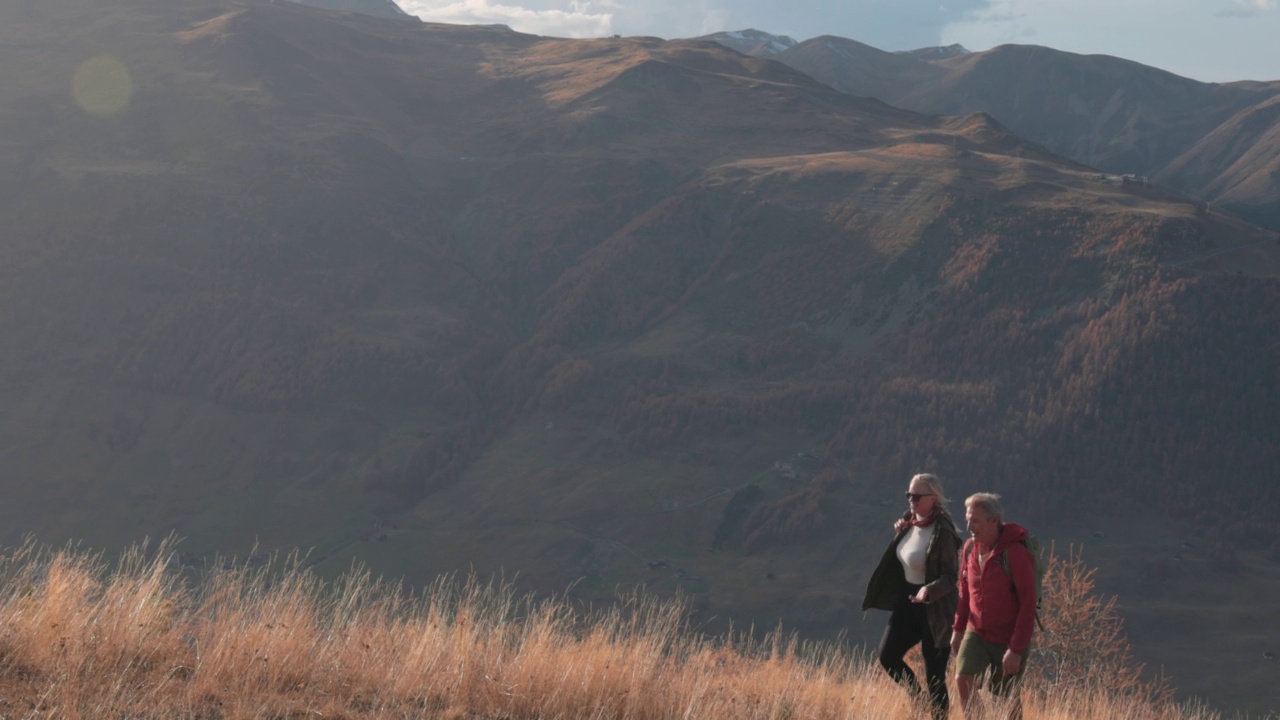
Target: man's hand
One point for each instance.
(957, 637)
(1012, 663)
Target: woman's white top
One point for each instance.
(912, 551)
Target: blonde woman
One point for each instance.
(916, 582)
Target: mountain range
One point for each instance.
(606, 313)
(1214, 142)
(374, 8)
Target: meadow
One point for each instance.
(143, 637)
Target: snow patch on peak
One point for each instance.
(938, 53)
(839, 49)
(753, 42)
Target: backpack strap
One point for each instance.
(964, 560)
(1008, 572)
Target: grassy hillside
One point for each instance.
(598, 313)
(83, 639)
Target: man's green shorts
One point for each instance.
(978, 655)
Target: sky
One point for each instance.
(1208, 40)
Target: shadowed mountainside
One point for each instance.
(601, 312)
(1238, 163)
(1212, 141)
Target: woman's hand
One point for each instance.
(900, 525)
(922, 596)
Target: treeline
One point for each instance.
(1054, 351)
(795, 517)
(1057, 357)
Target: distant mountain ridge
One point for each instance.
(938, 52)
(753, 42)
(1212, 141)
(758, 43)
(374, 8)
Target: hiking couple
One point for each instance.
(976, 601)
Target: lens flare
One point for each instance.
(102, 86)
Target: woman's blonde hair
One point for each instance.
(932, 482)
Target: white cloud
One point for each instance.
(580, 19)
(1181, 36)
(713, 20)
(1248, 8)
(671, 18)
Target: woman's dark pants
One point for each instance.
(908, 625)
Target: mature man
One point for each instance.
(996, 612)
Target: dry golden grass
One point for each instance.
(82, 639)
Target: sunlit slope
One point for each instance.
(1204, 139)
(450, 298)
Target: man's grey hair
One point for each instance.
(990, 502)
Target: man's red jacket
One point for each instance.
(999, 608)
